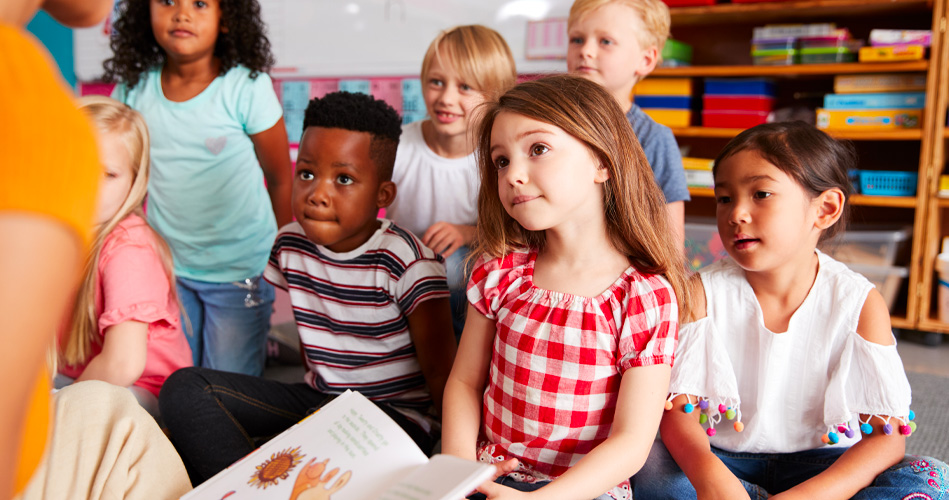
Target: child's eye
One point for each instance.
(721, 200)
(465, 87)
(760, 195)
(344, 179)
(111, 175)
(501, 162)
(434, 82)
(305, 175)
(606, 41)
(199, 4)
(576, 40)
(539, 149)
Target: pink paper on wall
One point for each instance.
(323, 86)
(388, 90)
(96, 88)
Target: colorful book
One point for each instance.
(868, 120)
(885, 82)
(348, 450)
(895, 100)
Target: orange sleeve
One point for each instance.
(48, 159)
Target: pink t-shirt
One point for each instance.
(133, 286)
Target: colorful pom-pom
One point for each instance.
(833, 437)
(703, 404)
(912, 415)
(668, 405)
(825, 438)
(841, 428)
(912, 426)
(730, 414)
(710, 432)
(905, 430)
(866, 429)
(849, 433)
(688, 408)
(703, 418)
(887, 429)
(739, 426)
(722, 408)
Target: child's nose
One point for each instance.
(320, 194)
(516, 173)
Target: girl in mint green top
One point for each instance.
(197, 71)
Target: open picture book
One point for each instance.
(348, 450)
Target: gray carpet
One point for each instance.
(931, 404)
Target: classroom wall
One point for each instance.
(58, 40)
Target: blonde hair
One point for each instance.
(637, 221)
(479, 54)
(109, 115)
(654, 14)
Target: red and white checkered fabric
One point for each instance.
(558, 358)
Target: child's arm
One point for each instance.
(123, 355)
(676, 211)
(640, 405)
(461, 412)
(430, 328)
(874, 453)
(273, 153)
(445, 238)
(686, 440)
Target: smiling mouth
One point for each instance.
(523, 199)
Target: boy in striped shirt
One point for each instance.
(369, 299)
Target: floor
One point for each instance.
(920, 358)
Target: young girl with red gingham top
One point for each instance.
(573, 317)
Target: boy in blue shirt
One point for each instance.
(369, 299)
(616, 43)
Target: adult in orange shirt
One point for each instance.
(49, 170)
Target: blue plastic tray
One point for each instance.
(739, 86)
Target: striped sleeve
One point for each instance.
(417, 272)
(273, 273)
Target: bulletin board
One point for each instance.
(344, 38)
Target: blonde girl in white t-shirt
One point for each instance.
(435, 167)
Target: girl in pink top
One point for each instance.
(573, 317)
(125, 326)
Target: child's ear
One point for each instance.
(830, 206)
(386, 194)
(601, 175)
(648, 61)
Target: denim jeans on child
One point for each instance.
(771, 473)
(458, 287)
(521, 486)
(229, 323)
(215, 417)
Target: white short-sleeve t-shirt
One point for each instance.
(432, 188)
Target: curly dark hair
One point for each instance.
(360, 113)
(135, 50)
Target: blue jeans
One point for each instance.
(229, 323)
(215, 418)
(458, 285)
(521, 486)
(771, 473)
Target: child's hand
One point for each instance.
(495, 491)
(444, 238)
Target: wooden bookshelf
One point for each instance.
(792, 71)
(797, 11)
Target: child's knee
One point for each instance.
(181, 389)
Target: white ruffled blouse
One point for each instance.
(789, 391)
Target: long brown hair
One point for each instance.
(109, 115)
(637, 221)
